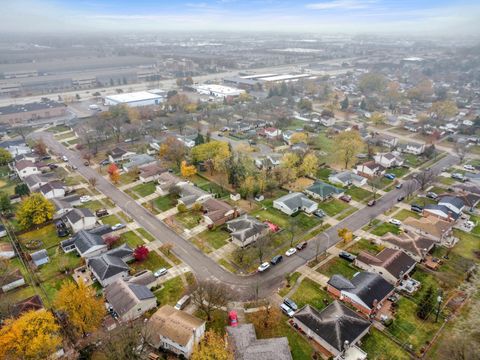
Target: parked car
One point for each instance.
(401, 198)
(432, 195)
(276, 259)
(469, 167)
(458, 176)
(64, 158)
(347, 256)
(399, 186)
(118, 226)
(74, 167)
(389, 176)
(286, 310)
(290, 303)
(290, 251)
(101, 212)
(46, 157)
(85, 198)
(346, 198)
(302, 245)
(263, 267)
(371, 202)
(183, 302)
(416, 208)
(62, 231)
(160, 272)
(319, 213)
(395, 222)
(53, 166)
(104, 162)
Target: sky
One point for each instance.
(419, 17)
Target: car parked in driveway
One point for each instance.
(160, 272)
(263, 267)
(276, 259)
(291, 304)
(347, 256)
(286, 310)
(416, 208)
(401, 198)
(118, 226)
(346, 198)
(319, 213)
(101, 212)
(469, 167)
(389, 176)
(432, 195)
(290, 251)
(399, 186)
(371, 202)
(395, 222)
(85, 198)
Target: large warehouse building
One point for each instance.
(27, 113)
(134, 99)
(218, 90)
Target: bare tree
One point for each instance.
(425, 177)
(92, 181)
(409, 188)
(128, 342)
(260, 246)
(375, 184)
(209, 296)
(460, 150)
(292, 229)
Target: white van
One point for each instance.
(287, 310)
(182, 302)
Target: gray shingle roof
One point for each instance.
(335, 324)
(245, 226)
(323, 189)
(106, 266)
(78, 214)
(123, 296)
(295, 200)
(84, 240)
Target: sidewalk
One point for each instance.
(188, 233)
(168, 213)
(222, 252)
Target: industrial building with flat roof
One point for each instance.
(218, 90)
(139, 98)
(21, 114)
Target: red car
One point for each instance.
(233, 318)
(346, 198)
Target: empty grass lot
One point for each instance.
(215, 238)
(403, 214)
(365, 245)
(110, 219)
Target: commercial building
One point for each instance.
(26, 113)
(134, 99)
(218, 90)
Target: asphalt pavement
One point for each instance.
(204, 267)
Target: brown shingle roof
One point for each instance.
(429, 225)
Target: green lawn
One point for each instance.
(468, 244)
(7, 185)
(216, 238)
(324, 173)
(93, 205)
(333, 207)
(365, 245)
(189, 219)
(170, 292)
(403, 214)
(309, 292)
(145, 189)
(384, 228)
(379, 347)
(410, 329)
(399, 172)
(359, 194)
(299, 346)
(291, 280)
(347, 213)
(422, 201)
(219, 319)
(146, 234)
(46, 234)
(338, 266)
(446, 180)
(65, 136)
(130, 238)
(209, 186)
(110, 219)
(164, 203)
(274, 216)
(59, 128)
(413, 160)
(153, 263)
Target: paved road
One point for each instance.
(202, 265)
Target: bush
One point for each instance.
(182, 208)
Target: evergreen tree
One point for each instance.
(199, 139)
(344, 104)
(426, 304)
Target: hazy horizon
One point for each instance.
(420, 18)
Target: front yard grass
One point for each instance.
(333, 207)
(338, 266)
(216, 238)
(399, 172)
(310, 292)
(110, 219)
(146, 234)
(145, 189)
(422, 201)
(164, 203)
(93, 205)
(365, 245)
(153, 263)
(189, 219)
(384, 228)
(379, 347)
(130, 238)
(359, 194)
(403, 214)
(170, 292)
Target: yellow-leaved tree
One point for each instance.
(310, 165)
(35, 210)
(378, 118)
(214, 153)
(187, 170)
(83, 309)
(349, 144)
(345, 234)
(34, 335)
(298, 138)
(211, 347)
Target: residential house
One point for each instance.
(136, 161)
(287, 135)
(370, 169)
(11, 280)
(322, 191)
(384, 140)
(412, 244)
(89, 244)
(175, 330)
(335, 328)
(431, 227)
(40, 257)
(366, 291)
(80, 219)
(186, 141)
(129, 300)
(347, 178)
(328, 122)
(32, 303)
(388, 160)
(25, 168)
(448, 208)
(6, 251)
(150, 172)
(34, 182)
(111, 265)
(53, 189)
(245, 230)
(270, 132)
(268, 162)
(300, 148)
(61, 207)
(243, 343)
(414, 148)
(144, 277)
(167, 181)
(392, 264)
(3, 231)
(118, 155)
(294, 202)
(190, 194)
(19, 149)
(216, 212)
